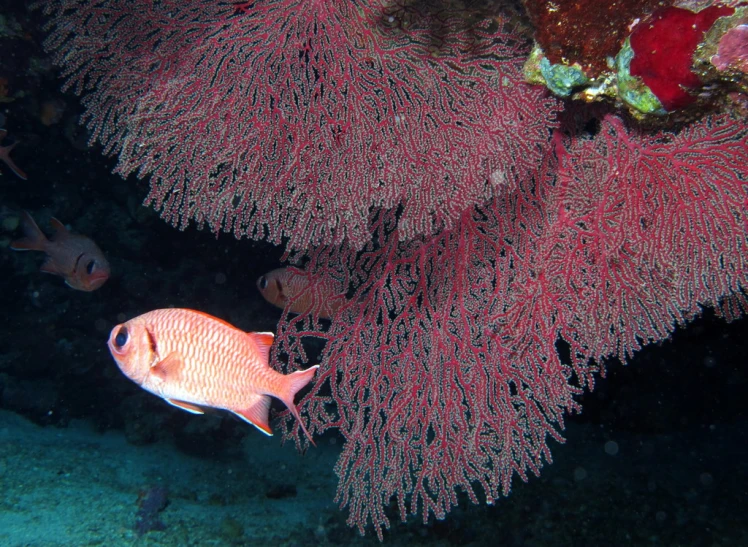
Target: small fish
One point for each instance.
(193, 360)
(72, 256)
(5, 156)
(284, 285)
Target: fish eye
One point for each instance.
(90, 266)
(121, 339)
(262, 282)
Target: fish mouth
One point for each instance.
(97, 280)
(103, 276)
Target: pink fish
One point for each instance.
(72, 256)
(193, 360)
(297, 289)
(6, 159)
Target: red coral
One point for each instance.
(587, 32)
(664, 45)
(444, 369)
(286, 119)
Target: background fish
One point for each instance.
(193, 360)
(73, 256)
(5, 156)
(305, 295)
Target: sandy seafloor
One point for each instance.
(77, 487)
(74, 486)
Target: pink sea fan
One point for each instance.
(298, 120)
(285, 119)
(443, 373)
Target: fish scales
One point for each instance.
(213, 350)
(194, 360)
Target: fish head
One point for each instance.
(91, 272)
(133, 348)
(272, 287)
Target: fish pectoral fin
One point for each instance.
(257, 413)
(51, 266)
(184, 405)
(169, 367)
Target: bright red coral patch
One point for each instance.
(664, 45)
(572, 32)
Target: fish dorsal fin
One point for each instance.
(257, 412)
(263, 341)
(169, 368)
(59, 228)
(184, 405)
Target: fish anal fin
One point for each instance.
(263, 341)
(257, 412)
(184, 405)
(170, 367)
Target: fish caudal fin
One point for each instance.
(257, 413)
(292, 384)
(33, 238)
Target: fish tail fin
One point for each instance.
(33, 238)
(5, 158)
(292, 384)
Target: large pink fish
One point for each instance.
(193, 360)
